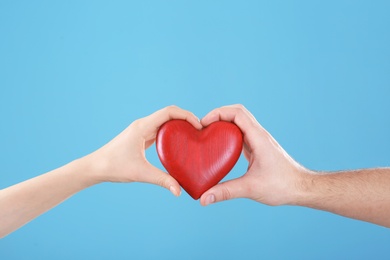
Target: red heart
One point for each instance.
(198, 159)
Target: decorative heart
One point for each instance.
(198, 159)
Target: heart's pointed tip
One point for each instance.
(194, 196)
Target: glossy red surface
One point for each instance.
(198, 159)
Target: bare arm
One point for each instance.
(25, 201)
(361, 194)
(121, 160)
(274, 178)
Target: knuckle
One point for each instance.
(217, 111)
(239, 110)
(192, 114)
(138, 124)
(171, 107)
(225, 193)
(240, 106)
(161, 181)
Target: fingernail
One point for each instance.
(210, 199)
(174, 191)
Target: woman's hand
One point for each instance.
(123, 158)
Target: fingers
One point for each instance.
(145, 131)
(172, 112)
(239, 115)
(155, 176)
(148, 126)
(228, 190)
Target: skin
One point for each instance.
(121, 160)
(274, 178)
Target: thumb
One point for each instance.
(228, 190)
(160, 178)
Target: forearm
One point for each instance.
(23, 202)
(361, 194)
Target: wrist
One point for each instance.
(89, 170)
(302, 187)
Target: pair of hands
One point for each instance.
(272, 177)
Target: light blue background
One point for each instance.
(73, 74)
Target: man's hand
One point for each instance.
(272, 176)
